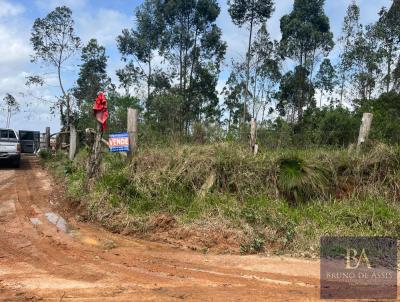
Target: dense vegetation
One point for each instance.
(193, 162)
(175, 53)
(276, 201)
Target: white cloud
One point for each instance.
(104, 25)
(51, 4)
(14, 47)
(8, 9)
(14, 56)
(112, 24)
(15, 51)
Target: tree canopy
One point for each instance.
(54, 41)
(174, 67)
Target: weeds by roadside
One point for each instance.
(275, 202)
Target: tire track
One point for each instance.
(40, 261)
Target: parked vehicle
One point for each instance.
(29, 140)
(10, 148)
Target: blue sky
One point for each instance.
(104, 20)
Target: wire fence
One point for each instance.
(268, 138)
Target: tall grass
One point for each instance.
(282, 201)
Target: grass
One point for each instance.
(300, 181)
(282, 201)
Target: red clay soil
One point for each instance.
(44, 258)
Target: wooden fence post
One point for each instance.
(364, 129)
(132, 130)
(58, 142)
(253, 136)
(72, 142)
(47, 138)
(95, 154)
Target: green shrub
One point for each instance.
(256, 245)
(299, 181)
(282, 201)
(45, 154)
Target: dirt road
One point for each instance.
(44, 258)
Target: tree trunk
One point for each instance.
(311, 76)
(320, 100)
(248, 69)
(255, 91)
(66, 97)
(68, 113)
(229, 120)
(263, 113)
(93, 166)
(8, 117)
(342, 90)
(389, 71)
(180, 65)
(300, 102)
(148, 82)
(194, 61)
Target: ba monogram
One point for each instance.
(353, 261)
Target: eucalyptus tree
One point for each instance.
(265, 70)
(387, 31)
(306, 35)
(139, 46)
(326, 78)
(249, 13)
(265, 74)
(129, 76)
(350, 30)
(295, 92)
(188, 42)
(365, 61)
(12, 106)
(233, 93)
(54, 42)
(306, 32)
(193, 46)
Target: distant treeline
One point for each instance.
(175, 52)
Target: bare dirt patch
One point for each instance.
(212, 237)
(40, 262)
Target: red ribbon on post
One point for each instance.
(100, 110)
